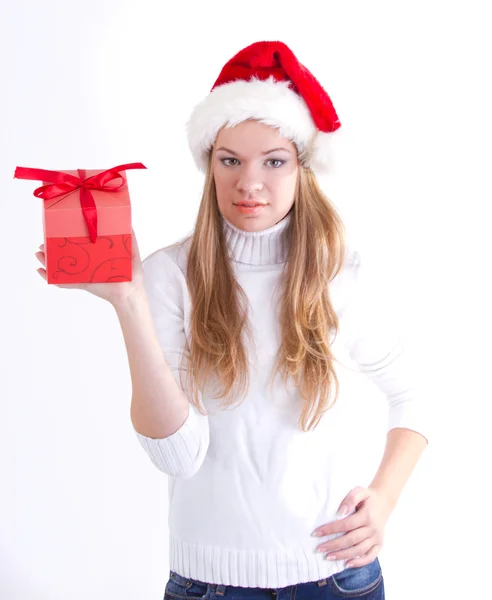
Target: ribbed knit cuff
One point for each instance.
(180, 454)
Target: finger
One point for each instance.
(345, 541)
(41, 257)
(358, 519)
(354, 551)
(69, 286)
(364, 559)
(352, 500)
(41, 247)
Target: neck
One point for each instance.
(266, 247)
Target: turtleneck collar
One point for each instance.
(266, 247)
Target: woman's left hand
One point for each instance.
(363, 531)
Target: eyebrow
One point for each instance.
(263, 153)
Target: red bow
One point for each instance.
(61, 183)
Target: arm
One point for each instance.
(403, 449)
(170, 429)
(378, 346)
(159, 407)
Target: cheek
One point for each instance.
(223, 181)
(283, 183)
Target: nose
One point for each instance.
(249, 180)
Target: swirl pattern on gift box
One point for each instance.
(79, 261)
(74, 263)
(111, 270)
(127, 241)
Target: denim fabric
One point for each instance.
(359, 582)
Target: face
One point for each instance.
(253, 163)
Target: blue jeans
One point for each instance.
(359, 582)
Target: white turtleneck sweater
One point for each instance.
(247, 486)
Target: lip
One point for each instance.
(249, 209)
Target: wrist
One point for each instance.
(131, 303)
(386, 494)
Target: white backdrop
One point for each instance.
(83, 512)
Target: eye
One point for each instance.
(223, 161)
(276, 160)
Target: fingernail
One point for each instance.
(343, 511)
(316, 534)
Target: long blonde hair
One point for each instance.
(219, 316)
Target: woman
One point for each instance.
(234, 338)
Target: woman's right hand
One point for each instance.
(115, 293)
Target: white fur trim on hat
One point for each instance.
(271, 102)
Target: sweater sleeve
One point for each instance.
(182, 453)
(379, 345)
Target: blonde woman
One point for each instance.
(235, 337)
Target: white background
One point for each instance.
(83, 512)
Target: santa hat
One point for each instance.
(265, 81)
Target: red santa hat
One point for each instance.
(265, 81)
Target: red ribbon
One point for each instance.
(63, 183)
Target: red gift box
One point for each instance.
(87, 223)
